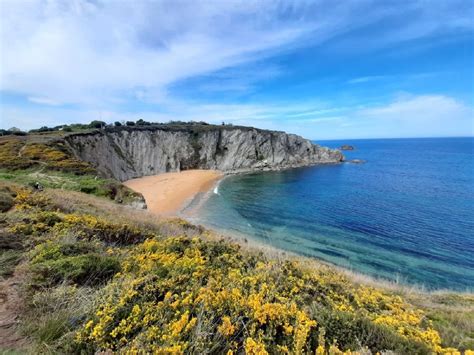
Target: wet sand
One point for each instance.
(168, 193)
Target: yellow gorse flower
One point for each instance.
(226, 328)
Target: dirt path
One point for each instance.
(10, 303)
(20, 152)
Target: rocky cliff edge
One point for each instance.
(124, 153)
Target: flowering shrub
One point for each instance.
(39, 220)
(56, 157)
(9, 151)
(25, 200)
(191, 295)
(19, 153)
(180, 294)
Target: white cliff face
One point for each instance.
(126, 153)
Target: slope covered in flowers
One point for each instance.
(46, 159)
(92, 284)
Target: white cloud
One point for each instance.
(406, 116)
(100, 52)
(86, 52)
(43, 101)
(408, 104)
(431, 112)
(365, 79)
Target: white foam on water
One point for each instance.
(216, 188)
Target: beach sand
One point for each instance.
(168, 193)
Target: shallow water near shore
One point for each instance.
(407, 214)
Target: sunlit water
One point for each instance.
(407, 214)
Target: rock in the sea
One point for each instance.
(347, 147)
(129, 152)
(356, 161)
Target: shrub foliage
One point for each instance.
(119, 287)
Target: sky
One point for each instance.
(321, 69)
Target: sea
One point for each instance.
(405, 215)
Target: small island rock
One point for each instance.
(356, 161)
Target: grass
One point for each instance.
(51, 317)
(75, 263)
(23, 152)
(9, 259)
(89, 184)
(102, 276)
(452, 316)
(6, 199)
(195, 127)
(45, 159)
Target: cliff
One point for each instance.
(129, 152)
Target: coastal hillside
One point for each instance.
(85, 269)
(76, 280)
(124, 153)
(95, 158)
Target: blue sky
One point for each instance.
(322, 69)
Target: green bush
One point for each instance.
(53, 263)
(89, 184)
(6, 198)
(53, 314)
(90, 269)
(8, 260)
(52, 328)
(351, 331)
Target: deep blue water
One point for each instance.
(407, 214)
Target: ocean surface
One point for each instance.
(407, 214)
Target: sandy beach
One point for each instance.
(166, 194)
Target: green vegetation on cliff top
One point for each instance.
(45, 159)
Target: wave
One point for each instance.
(216, 188)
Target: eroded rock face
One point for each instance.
(128, 153)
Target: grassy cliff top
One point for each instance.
(46, 134)
(181, 127)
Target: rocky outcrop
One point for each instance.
(355, 161)
(129, 152)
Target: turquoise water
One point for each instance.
(407, 214)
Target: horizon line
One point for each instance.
(374, 138)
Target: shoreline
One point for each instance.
(168, 194)
(251, 245)
(181, 195)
